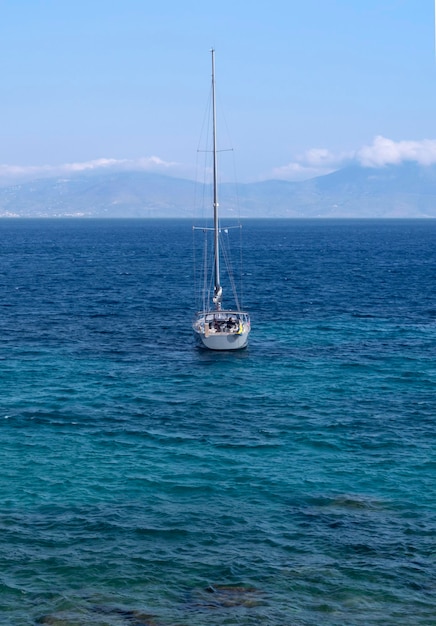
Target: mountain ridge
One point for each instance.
(396, 191)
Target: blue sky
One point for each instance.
(307, 86)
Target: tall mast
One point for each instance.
(218, 289)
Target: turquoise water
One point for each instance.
(146, 482)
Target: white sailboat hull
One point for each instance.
(224, 330)
(224, 341)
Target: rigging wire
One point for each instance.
(203, 202)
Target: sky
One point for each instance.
(306, 86)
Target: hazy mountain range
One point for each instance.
(403, 191)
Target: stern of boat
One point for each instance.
(222, 330)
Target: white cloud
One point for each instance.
(381, 152)
(91, 165)
(385, 151)
(319, 157)
(21, 172)
(313, 162)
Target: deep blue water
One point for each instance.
(146, 482)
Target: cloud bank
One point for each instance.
(385, 151)
(18, 173)
(380, 153)
(311, 163)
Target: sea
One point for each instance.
(147, 482)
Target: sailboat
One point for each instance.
(217, 327)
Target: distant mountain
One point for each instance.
(119, 194)
(406, 191)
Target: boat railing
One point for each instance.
(222, 322)
(222, 315)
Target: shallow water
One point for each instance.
(144, 481)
